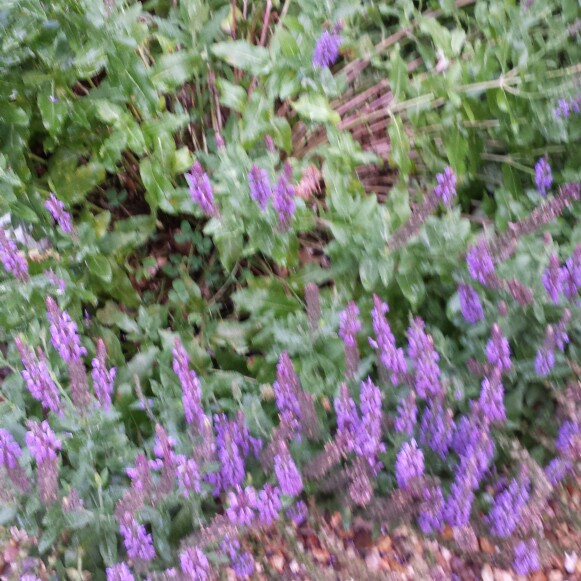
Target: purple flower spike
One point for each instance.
(556, 470)
(569, 440)
(409, 465)
(422, 353)
(188, 475)
(347, 418)
(544, 361)
(42, 441)
(392, 358)
(445, 191)
(119, 572)
(242, 503)
(191, 386)
(259, 183)
(326, 50)
(243, 565)
(103, 378)
(368, 442)
(470, 304)
(437, 428)
(60, 215)
(201, 189)
(552, 279)
(526, 557)
(38, 379)
(287, 473)
(492, 398)
(55, 280)
(138, 542)
(195, 565)
(284, 194)
(286, 390)
(269, 504)
(480, 263)
(506, 510)
(543, 176)
(12, 260)
(407, 415)
(349, 326)
(64, 333)
(498, 350)
(571, 274)
(431, 517)
(10, 451)
(298, 512)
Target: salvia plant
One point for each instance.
(260, 256)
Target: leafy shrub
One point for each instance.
(238, 219)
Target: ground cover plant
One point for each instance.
(263, 254)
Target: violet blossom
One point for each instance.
(480, 263)
(241, 505)
(409, 464)
(59, 214)
(498, 350)
(194, 564)
(201, 189)
(445, 191)
(103, 378)
(191, 386)
(543, 176)
(259, 182)
(326, 50)
(284, 194)
(287, 473)
(421, 351)
(64, 333)
(349, 326)
(119, 572)
(470, 305)
(11, 258)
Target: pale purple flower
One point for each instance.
(298, 512)
(201, 189)
(284, 194)
(188, 475)
(470, 304)
(507, 507)
(368, 442)
(544, 361)
(407, 415)
(194, 564)
(498, 349)
(526, 557)
(445, 191)
(10, 451)
(55, 280)
(347, 418)
(103, 378)
(349, 326)
(480, 264)
(191, 386)
(119, 572)
(140, 475)
(42, 441)
(571, 274)
(269, 504)
(243, 565)
(458, 505)
(60, 215)
(392, 358)
(229, 454)
(138, 542)
(568, 441)
(287, 473)
(30, 578)
(11, 258)
(431, 515)
(64, 333)
(38, 379)
(437, 428)
(557, 469)
(409, 464)
(286, 390)
(259, 183)
(241, 506)
(326, 50)
(492, 397)
(552, 279)
(421, 351)
(543, 176)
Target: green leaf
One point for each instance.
(99, 266)
(232, 96)
(243, 55)
(53, 113)
(173, 70)
(316, 108)
(412, 286)
(79, 519)
(156, 182)
(400, 146)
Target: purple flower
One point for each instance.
(284, 194)
(60, 215)
(38, 379)
(287, 473)
(507, 508)
(571, 274)
(407, 415)
(390, 356)
(544, 361)
(556, 470)
(119, 572)
(437, 428)
(298, 512)
(326, 50)
(421, 351)
(526, 557)
(10, 451)
(552, 279)
(259, 183)
(349, 326)
(492, 398)
(459, 503)
(138, 542)
(409, 464)
(194, 564)
(269, 504)
(563, 109)
(243, 565)
(191, 386)
(470, 304)
(188, 475)
(479, 261)
(229, 455)
(42, 441)
(543, 176)
(498, 350)
(201, 189)
(55, 280)
(568, 441)
(347, 418)
(12, 260)
(445, 191)
(241, 506)
(64, 333)
(367, 442)
(431, 515)
(103, 378)
(286, 390)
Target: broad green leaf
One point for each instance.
(243, 55)
(173, 70)
(53, 112)
(316, 108)
(99, 266)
